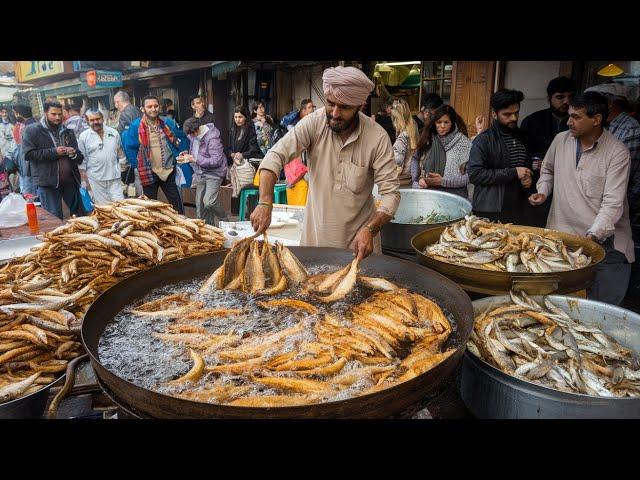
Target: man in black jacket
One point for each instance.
(540, 128)
(53, 155)
(498, 163)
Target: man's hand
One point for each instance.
(362, 245)
(71, 151)
(433, 180)
(261, 219)
(526, 182)
(422, 183)
(537, 199)
(62, 151)
(523, 172)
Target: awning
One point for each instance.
(224, 67)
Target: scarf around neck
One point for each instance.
(435, 159)
(449, 139)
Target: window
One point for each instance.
(436, 78)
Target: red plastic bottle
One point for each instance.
(32, 216)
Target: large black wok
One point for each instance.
(376, 405)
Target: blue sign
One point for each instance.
(108, 79)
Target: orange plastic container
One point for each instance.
(32, 217)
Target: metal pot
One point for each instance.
(376, 405)
(499, 283)
(396, 235)
(489, 393)
(30, 406)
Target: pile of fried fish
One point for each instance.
(391, 337)
(45, 294)
(477, 243)
(541, 343)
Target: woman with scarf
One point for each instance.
(243, 146)
(441, 158)
(264, 126)
(406, 141)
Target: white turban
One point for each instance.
(348, 85)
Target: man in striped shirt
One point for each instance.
(626, 129)
(498, 163)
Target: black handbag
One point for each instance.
(128, 176)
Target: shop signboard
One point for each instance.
(34, 69)
(103, 79)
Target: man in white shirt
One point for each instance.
(100, 146)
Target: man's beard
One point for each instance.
(510, 127)
(560, 113)
(343, 125)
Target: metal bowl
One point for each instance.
(489, 393)
(30, 406)
(396, 235)
(499, 283)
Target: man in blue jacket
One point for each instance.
(151, 145)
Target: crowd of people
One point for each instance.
(571, 167)
(134, 151)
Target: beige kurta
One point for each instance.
(341, 177)
(156, 159)
(591, 197)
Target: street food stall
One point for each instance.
(136, 312)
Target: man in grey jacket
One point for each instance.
(52, 151)
(128, 112)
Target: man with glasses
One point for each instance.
(100, 146)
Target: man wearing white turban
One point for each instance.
(347, 154)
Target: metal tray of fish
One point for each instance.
(500, 283)
(16, 247)
(489, 393)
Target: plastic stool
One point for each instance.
(245, 193)
(279, 196)
(280, 193)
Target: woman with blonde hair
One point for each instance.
(406, 140)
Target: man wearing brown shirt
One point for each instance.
(347, 153)
(587, 170)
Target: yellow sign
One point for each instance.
(33, 69)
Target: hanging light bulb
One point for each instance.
(610, 70)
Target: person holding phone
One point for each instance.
(52, 151)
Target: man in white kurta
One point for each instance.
(100, 146)
(347, 154)
(587, 170)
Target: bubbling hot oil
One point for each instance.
(129, 349)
